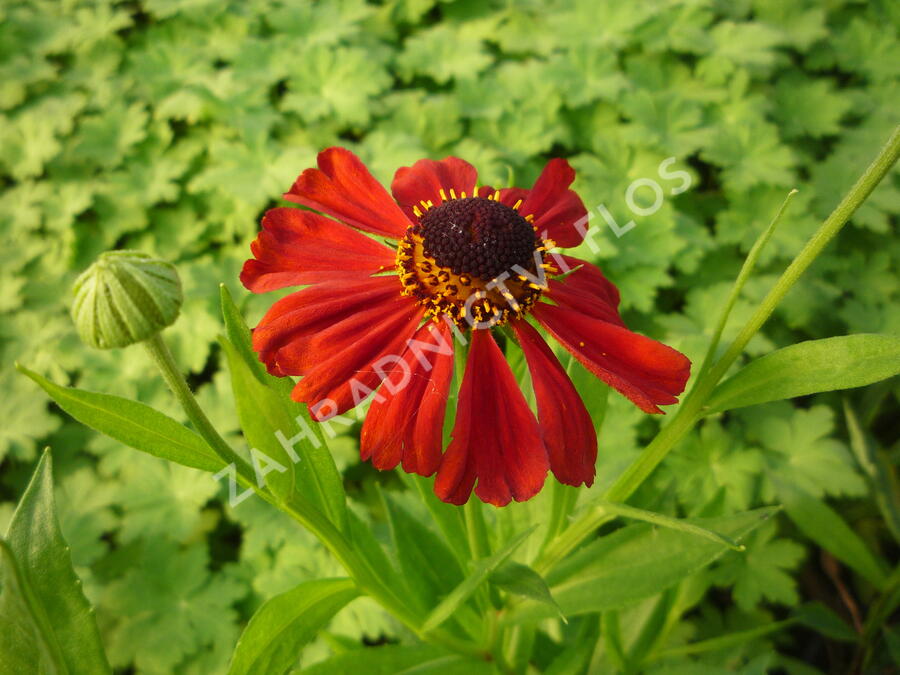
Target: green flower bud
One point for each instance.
(125, 297)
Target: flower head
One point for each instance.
(385, 321)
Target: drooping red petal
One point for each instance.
(555, 208)
(297, 247)
(406, 423)
(566, 425)
(584, 288)
(646, 371)
(496, 439)
(360, 357)
(282, 338)
(343, 188)
(424, 180)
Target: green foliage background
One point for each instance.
(170, 126)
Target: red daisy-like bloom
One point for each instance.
(382, 322)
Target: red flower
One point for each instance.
(383, 320)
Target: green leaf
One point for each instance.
(281, 627)
(134, 424)
(823, 620)
(800, 448)
(823, 525)
(399, 660)
(520, 579)
(169, 608)
(809, 107)
(371, 553)
(26, 640)
(878, 469)
(681, 525)
(808, 368)
(449, 518)
(428, 566)
(763, 572)
(464, 591)
(634, 563)
(38, 567)
(270, 421)
(576, 658)
(239, 336)
(443, 52)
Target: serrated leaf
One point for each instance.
(763, 572)
(802, 451)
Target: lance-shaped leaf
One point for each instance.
(43, 612)
(288, 447)
(275, 635)
(134, 424)
(823, 525)
(636, 562)
(520, 579)
(400, 660)
(808, 368)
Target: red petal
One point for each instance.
(584, 289)
(496, 438)
(511, 196)
(555, 208)
(407, 425)
(566, 425)
(350, 371)
(282, 338)
(297, 247)
(646, 371)
(424, 180)
(343, 187)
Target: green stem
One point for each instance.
(164, 360)
(475, 529)
(691, 410)
(746, 270)
(476, 534)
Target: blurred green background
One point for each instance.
(170, 126)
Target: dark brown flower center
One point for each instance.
(477, 236)
(473, 260)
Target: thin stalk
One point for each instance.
(476, 534)
(165, 362)
(691, 410)
(746, 270)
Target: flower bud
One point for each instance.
(125, 297)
